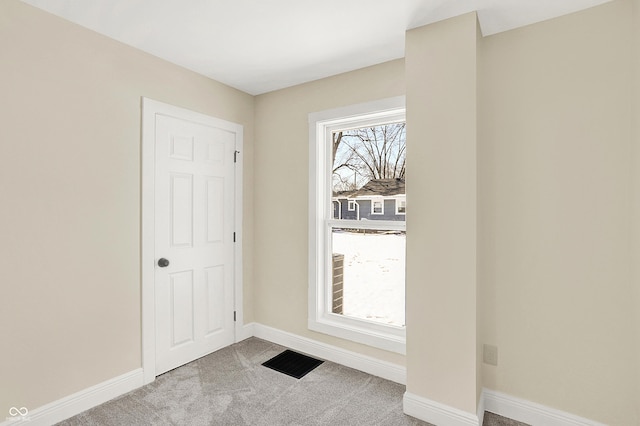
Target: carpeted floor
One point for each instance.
(231, 387)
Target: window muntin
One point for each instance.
(323, 127)
(377, 206)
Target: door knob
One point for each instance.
(163, 263)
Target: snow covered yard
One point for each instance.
(374, 275)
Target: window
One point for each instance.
(337, 209)
(356, 265)
(377, 207)
(401, 206)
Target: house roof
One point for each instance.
(375, 187)
(384, 187)
(344, 194)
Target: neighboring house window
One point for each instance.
(337, 210)
(345, 301)
(377, 207)
(401, 206)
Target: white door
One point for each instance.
(194, 237)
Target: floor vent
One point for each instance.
(292, 363)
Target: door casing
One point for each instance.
(150, 108)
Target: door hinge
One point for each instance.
(235, 156)
(234, 316)
(234, 237)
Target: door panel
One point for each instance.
(215, 216)
(194, 203)
(215, 298)
(181, 214)
(181, 298)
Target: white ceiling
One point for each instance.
(262, 45)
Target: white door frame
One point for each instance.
(149, 110)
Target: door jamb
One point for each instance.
(150, 108)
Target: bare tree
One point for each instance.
(360, 155)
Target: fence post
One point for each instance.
(338, 283)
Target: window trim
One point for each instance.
(339, 204)
(351, 206)
(373, 209)
(321, 125)
(398, 201)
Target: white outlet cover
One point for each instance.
(490, 354)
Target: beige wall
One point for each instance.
(70, 197)
(636, 188)
(441, 229)
(555, 179)
(282, 188)
(558, 234)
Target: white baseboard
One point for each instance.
(531, 412)
(244, 332)
(435, 412)
(386, 370)
(78, 402)
(414, 405)
(481, 408)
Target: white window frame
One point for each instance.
(373, 210)
(321, 319)
(351, 206)
(398, 201)
(339, 208)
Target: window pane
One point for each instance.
(369, 274)
(368, 171)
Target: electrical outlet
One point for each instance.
(490, 354)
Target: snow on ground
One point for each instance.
(374, 275)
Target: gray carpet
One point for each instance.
(231, 387)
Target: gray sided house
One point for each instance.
(379, 199)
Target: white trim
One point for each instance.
(531, 412)
(321, 126)
(247, 330)
(435, 412)
(481, 409)
(347, 113)
(78, 402)
(413, 405)
(373, 206)
(147, 241)
(370, 333)
(238, 289)
(339, 208)
(386, 370)
(150, 108)
(351, 206)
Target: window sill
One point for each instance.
(379, 336)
